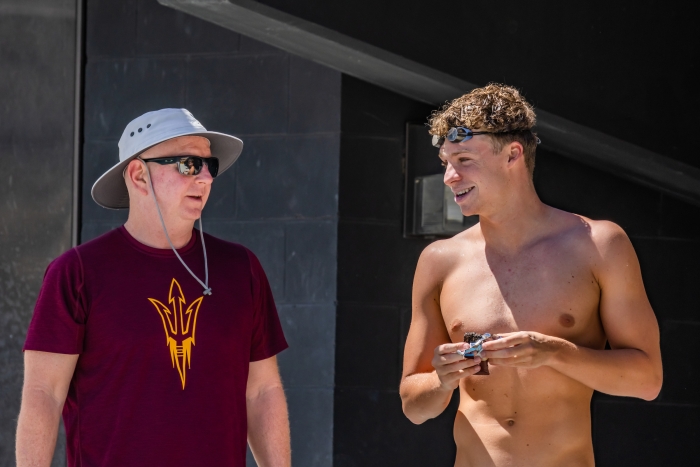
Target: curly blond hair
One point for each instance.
(496, 108)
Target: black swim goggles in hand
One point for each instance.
(456, 135)
(189, 165)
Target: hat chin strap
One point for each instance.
(205, 284)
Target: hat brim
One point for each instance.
(109, 191)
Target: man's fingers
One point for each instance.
(457, 366)
(447, 353)
(504, 335)
(452, 373)
(451, 348)
(506, 340)
(516, 360)
(509, 352)
(457, 375)
(447, 358)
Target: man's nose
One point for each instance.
(451, 174)
(204, 176)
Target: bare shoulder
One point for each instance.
(604, 244)
(593, 241)
(605, 231)
(609, 238)
(599, 234)
(441, 256)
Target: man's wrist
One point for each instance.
(557, 350)
(442, 388)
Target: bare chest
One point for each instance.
(551, 292)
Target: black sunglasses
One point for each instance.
(189, 165)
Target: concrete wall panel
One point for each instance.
(37, 59)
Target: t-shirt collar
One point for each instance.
(165, 252)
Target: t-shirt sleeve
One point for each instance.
(58, 322)
(268, 337)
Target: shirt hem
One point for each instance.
(42, 348)
(269, 352)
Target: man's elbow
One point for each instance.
(41, 396)
(652, 388)
(408, 406)
(651, 384)
(413, 415)
(264, 392)
(412, 410)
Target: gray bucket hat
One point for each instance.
(109, 191)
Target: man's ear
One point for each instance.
(515, 152)
(136, 177)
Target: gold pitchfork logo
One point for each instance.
(179, 327)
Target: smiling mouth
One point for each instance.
(459, 195)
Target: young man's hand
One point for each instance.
(451, 366)
(524, 349)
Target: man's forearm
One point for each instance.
(268, 428)
(619, 372)
(37, 429)
(423, 397)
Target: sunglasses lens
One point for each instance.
(190, 165)
(193, 165)
(213, 164)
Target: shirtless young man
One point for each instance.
(554, 286)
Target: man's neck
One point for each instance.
(150, 232)
(516, 223)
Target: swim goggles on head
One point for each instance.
(456, 135)
(460, 133)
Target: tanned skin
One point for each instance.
(555, 286)
(47, 376)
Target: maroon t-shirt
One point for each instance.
(162, 372)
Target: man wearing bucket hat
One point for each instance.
(158, 342)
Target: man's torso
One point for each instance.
(162, 372)
(524, 416)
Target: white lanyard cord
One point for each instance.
(205, 284)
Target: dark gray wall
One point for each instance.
(375, 273)
(280, 199)
(628, 69)
(37, 59)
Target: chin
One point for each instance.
(192, 215)
(468, 211)
(472, 206)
